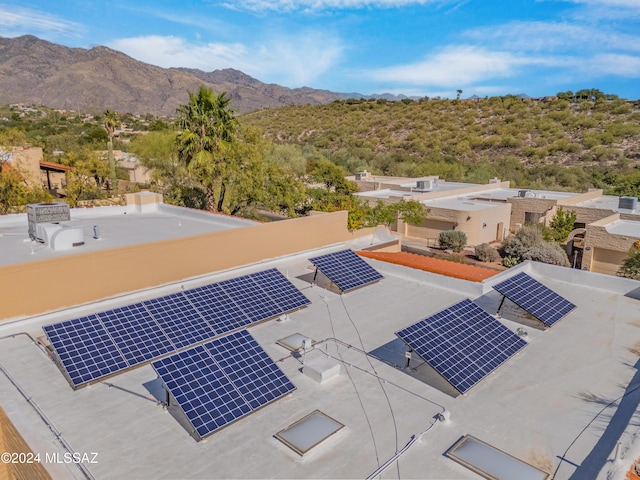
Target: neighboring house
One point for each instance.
(29, 161)
(488, 213)
(137, 172)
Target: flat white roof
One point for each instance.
(118, 226)
(629, 228)
(386, 193)
(463, 203)
(504, 193)
(539, 406)
(607, 202)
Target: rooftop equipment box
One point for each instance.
(46, 213)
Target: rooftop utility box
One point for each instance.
(363, 175)
(424, 185)
(320, 367)
(629, 203)
(38, 213)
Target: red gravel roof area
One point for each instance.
(434, 265)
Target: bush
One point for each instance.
(523, 240)
(547, 253)
(509, 262)
(453, 239)
(631, 266)
(486, 253)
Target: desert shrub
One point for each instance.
(519, 243)
(486, 253)
(631, 266)
(547, 253)
(509, 262)
(453, 239)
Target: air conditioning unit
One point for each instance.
(424, 185)
(628, 203)
(526, 194)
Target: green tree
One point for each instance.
(111, 122)
(631, 266)
(88, 177)
(561, 225)
(13, 191)
(208, 130)
(333, 177)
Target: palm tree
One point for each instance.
(110, 123)
(208, 129)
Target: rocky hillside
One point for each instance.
(34, 71)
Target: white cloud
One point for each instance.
(552, 36)
(17, 21)
(453, 66)
(614, 64)
(291, 61)
(315, 5)
(634, 4)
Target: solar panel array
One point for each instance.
(463, 343)
(537, 299)
(104, 343)
(346, 269)
(221, 381)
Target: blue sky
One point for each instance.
(414, 47)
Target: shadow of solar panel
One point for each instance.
(179, 319)
(346, 269)
(136, 333)
(280, 290)
(85, 349)
(221, 381)
(217, 308)
(535, 298)
(463, 343)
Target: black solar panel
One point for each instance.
(278, 288)
(217, 308)
(179, 320)
(221, 381)
(463, 343)
(258, 379)
(250, 298)
(85, 348)
(537, 299)
(134, 334)
(346, 269)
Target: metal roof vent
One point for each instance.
(628, 203)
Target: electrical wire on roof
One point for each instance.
(353, 383)
(29, 399)
(386, 396)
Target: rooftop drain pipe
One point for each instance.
(85, 471)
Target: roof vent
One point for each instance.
(628, 203)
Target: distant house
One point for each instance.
(29, 162)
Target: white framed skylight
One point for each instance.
(492, 463)
(308, 432)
